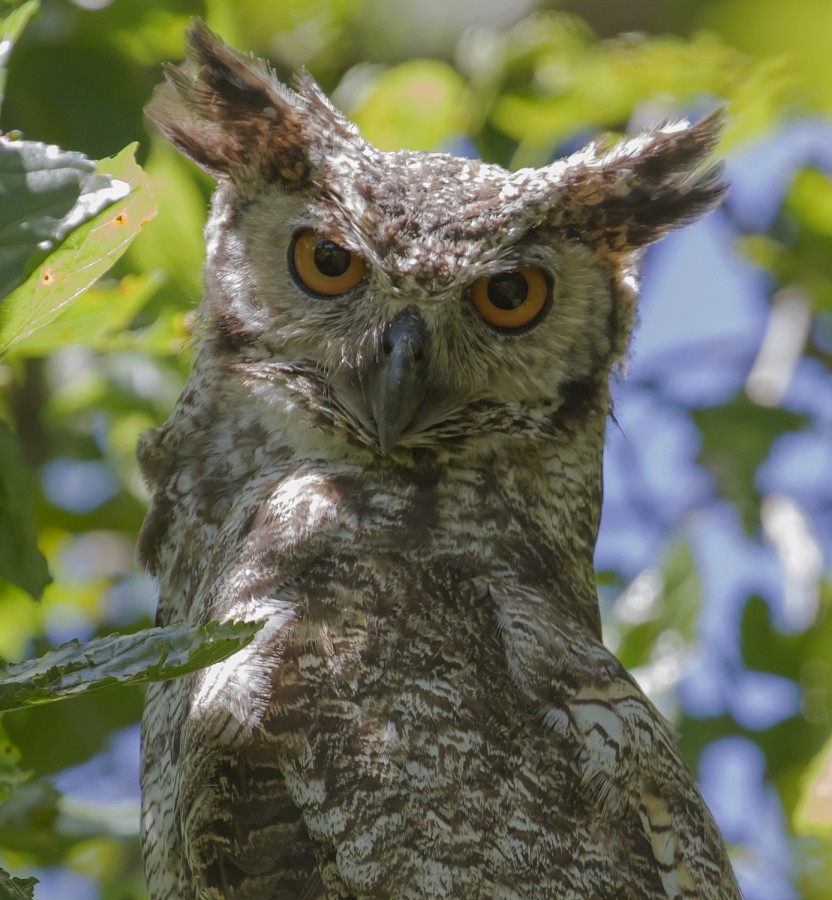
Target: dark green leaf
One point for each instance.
(86, 724)
(87, 252)
(16, 888)
(154, 654)
(802, 657)
(28, 823)
(10, 773)
(21, 562)
(10, 28)
(736, 438)
(47, 193)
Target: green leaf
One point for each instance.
(814, 813)
(560, 79)
(10, 773)
(174, 243)
(154, 654)
(736, 438)
(29, 823)
(86, 724)
(21, 562)
(85, 254)
(803, 658)
(47, 192)
(11, 27)
(97, 320)
(675, 606)
(418, 104)
(16, 888)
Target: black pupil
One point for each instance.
(330, 259)
(508, 290)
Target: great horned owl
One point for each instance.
(389, 451)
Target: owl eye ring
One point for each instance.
(321, 267)
(514, 300)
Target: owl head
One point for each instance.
(405, 300)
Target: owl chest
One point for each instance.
(375, 627)
(380, 686)
(403, 704)
(391, 639)
(373, 586)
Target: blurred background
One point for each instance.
(714, 555)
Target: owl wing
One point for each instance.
(627, 754)
(229, 830)
(270, 798)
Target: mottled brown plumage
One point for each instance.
(409, 497)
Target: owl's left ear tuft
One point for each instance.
(634, 193)
(231, 116)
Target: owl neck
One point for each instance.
(534, 503)
(526, 503)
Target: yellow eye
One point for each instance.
(322, 267)
(512, 300)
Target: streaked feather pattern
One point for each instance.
(429, 710)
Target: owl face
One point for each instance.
(411, 299)
(414, 330)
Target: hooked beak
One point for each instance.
(397, 383)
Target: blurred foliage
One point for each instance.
(736, 440)
(87, 370)
(20, 560)
(800, 34)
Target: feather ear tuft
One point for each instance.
(230, 115)
(643, 187)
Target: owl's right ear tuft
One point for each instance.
(231, 116)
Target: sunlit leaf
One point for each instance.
(814, 812)
(169, 335)
(174, 242)
(20, 621)
(21, 562)
(801, 37)
(155, 654)
(85, 254)
(810, 199)
(98, 319)
(296, 32)
(813, 820)
(564, 82)
(47, 193)
(152, 38)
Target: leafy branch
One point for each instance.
(154, 654)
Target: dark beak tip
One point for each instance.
(388, 437)
(397, 381)
(385, 448)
